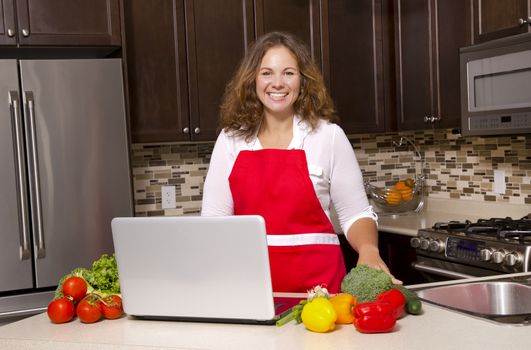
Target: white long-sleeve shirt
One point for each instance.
(333, 168)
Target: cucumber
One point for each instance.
(413, 303)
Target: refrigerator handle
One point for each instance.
(14, 105)
(35, 191)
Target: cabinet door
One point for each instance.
(495, 19)
(69, 22)
(398, 254)
(7, 23)
(298, 17)
(429, 34)
(156, 70)
(355, 69)
(414, 61)
(452, 32)
(217, 34)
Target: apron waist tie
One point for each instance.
(302, 239)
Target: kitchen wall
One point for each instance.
(456, 167)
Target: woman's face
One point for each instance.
(278, 81)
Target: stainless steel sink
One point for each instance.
(499, 301)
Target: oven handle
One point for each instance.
(440, 272)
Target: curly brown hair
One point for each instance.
(241, 110)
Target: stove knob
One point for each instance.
(415, 242)
(485, 254)
(436, 246)
(498, 256)
(424, 243)
(512, 259)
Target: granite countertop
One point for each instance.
(436, 328)
(441, 210)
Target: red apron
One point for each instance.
(304, 250)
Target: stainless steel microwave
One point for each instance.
(496, 87)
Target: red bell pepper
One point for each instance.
(375, 324)
(395, 298)
(374, 317)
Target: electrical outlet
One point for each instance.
(168, 197)
(499, 182)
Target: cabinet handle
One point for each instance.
(10, 33)
(197, 131)
(186, 130)
(431, 119)
(25, 32)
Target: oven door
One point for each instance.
(436, 270)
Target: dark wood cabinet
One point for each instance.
(180, 55)
(349, 254)
(60, 23)
(389, 64)
(398, 254)
(299, 17)
(395, 251)
(495, 19)
(358, 62)
(428, 35)
(156, 69)
(217, 36)
(7, 23)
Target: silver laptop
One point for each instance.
(212, 269)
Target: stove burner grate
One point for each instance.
(499, 228)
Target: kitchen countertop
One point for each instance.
(436, 328)
(441, 210)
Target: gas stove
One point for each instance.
(471, 249)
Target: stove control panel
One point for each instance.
(489, 254)
(464, 249)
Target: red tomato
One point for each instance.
(75, 287)
(61, 310)
(89, 310)
(112, 307)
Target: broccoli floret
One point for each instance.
(365, 283)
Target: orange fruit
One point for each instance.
(400, 185)
(393, 197)
(407, 194)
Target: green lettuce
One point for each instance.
(101, 278)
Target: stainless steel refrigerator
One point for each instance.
(64, 172)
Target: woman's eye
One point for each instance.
(266, 73)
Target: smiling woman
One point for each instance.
(277, 86)
(280, 156)
(242, 109)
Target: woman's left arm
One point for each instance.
(363, 237)
(348, 195)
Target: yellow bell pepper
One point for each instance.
(319, 315)
(343, 304)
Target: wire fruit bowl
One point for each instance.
(404, 196)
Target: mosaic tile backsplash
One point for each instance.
(455, 167)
